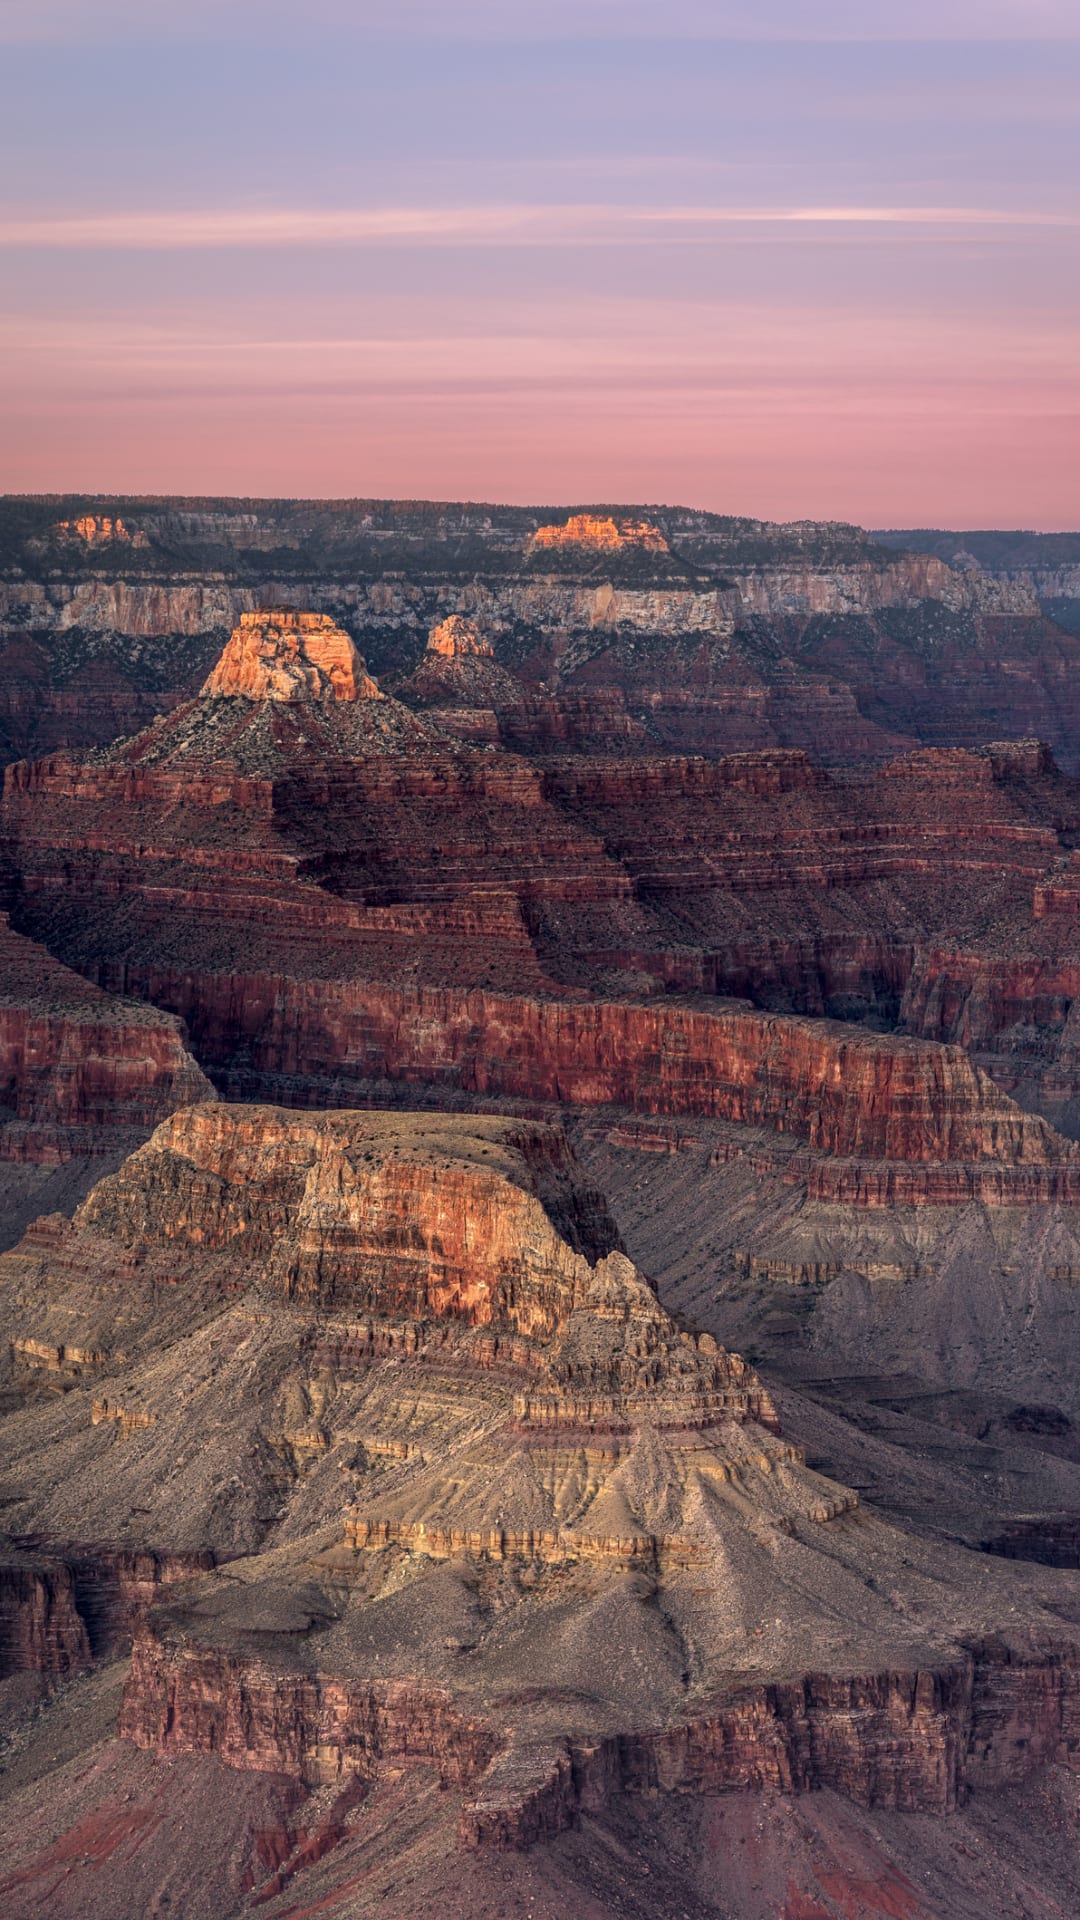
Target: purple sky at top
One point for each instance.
(601, 250)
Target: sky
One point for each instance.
(774, 258)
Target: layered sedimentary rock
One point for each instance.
(334, 822)
(423, 1218)
(420, 1505)
(885, 1120)
(519, 1526)
(458, 675)
(473, 697)
(41, 1629)
(601, 533)
(457, 638)
(60, 1612)
(907, 581)
(717, 634)
(288, 687)
(80, 1071)
(281, 655)
(428, 922)
(97, 529)
(917, 1740)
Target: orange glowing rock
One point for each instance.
(602, 532)
(458, 637)
(282, 655)
(95, 529)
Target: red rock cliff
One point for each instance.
(75, 1064)
(947, 1131)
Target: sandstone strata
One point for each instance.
(884, 1121)
(457, 638)
(41, 1628)
(522, 1531)
(96, 529)
(79, 1070)
(426, 1218)
(314, 831)
(600, 532)
(280, 655)
(808, 634)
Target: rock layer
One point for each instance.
(80, 1071)
(888, 1121)
(525, 1529)
(600, 532)
(754, 634)
(358, 1213)
(280, 655)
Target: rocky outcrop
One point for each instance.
(100, 529)
(919, 1741)
(460, 1256)
(314, 1727)
(458, 672)
(419, 1218)
(116, 1586)
(141, 609)
(41, 1628)
(457, 638)
(80, 1072)
(280, 655)
(908, 581)
(599, 533)
(63, 1608)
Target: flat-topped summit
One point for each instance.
(600, 532)
(290, 690)
(458, 638)
(278, 654)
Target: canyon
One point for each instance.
(541, 1195)
(706, 633)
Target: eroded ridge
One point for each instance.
(480, 1505)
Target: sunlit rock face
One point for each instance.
(98, 529)
(601, 532)
(282, 655)
(459, 638)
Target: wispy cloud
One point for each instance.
(557, 225)
(652, 343)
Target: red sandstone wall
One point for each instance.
(859, 1097)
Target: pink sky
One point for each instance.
(756, 276)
